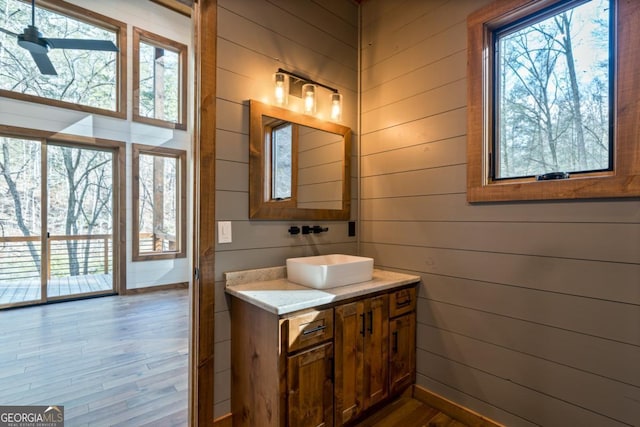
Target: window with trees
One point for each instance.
(281, 158)
(86, 80)
(550, 111)
(159, 203)
(159, 79)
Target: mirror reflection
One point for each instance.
(299, 166)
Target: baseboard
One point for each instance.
(170, 286)
(223, 421)
(460, 413)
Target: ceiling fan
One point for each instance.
(31, 39)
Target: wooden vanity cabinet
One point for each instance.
(310, 371)
(402, 340)
(320, 367)
(361, 338)
(282, 368)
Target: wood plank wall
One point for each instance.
(529, 313)
(316, 38)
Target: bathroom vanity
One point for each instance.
(318, 357)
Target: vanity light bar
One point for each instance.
(304, 88)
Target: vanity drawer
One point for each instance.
(309, 328)
(402, 301)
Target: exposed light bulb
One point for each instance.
(309, 95)
(280, 92)
(336, 106)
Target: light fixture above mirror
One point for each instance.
(288, 84)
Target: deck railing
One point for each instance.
(67, 256)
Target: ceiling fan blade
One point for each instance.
(44, 64)
(82, 44)
(8, 32)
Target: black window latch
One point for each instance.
(552, 175)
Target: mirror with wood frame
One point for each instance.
(299, 166)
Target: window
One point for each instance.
(281, 161)
(281, 148)
(86, 80)
(159, 204)
(552, 95)
(159, 92)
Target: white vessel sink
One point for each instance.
(329, 271)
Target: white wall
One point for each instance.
(529, 313)
(159, 20)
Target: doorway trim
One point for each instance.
(201, 366)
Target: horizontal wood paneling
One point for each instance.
(598, 242)
(273, 234)
(443, 180)
(531, 406)
(454, 208)
(445, 125)
(561, 382)
(583, 352)
(315, 38)
(529, 313)
(420, 55)
(449, 69)
(434, 100)
(608, 281)
(423, 156)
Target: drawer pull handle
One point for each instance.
(403, 303)
(395, 341)
(314, 330)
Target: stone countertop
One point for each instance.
(269, 289)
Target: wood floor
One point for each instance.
(409, 412)
(110, 361)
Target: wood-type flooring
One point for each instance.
(110, 361)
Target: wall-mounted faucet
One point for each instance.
(293, 230)
(306, 229)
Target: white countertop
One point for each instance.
(280, 296)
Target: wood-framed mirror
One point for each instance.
(299, 166)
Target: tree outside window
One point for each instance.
(159, 90)
(159, 204)
(87, 80)
(552, 94)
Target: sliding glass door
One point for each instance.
(56, 221)
(79, 221)
(20, 221)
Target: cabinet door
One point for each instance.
(376, 350)
(350, 329)
(310, 384)
(402, 361)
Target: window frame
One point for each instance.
(181, 196)
(93, 18)
(141, 35)
(622, 181)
